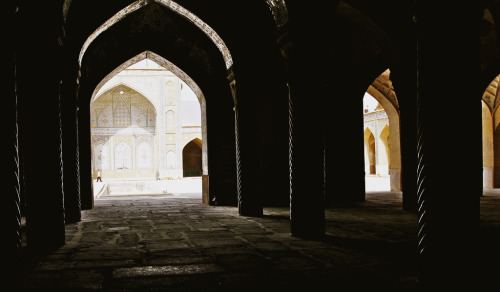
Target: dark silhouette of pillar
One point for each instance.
(404, 79)
(85, 153)
(246, 118)
(449, 175)
(301, 41)
(39, 82)
(306, 150)
(71, 175)
(221, 150)
(344, 153)
(10, 214)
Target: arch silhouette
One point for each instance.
(216, 39)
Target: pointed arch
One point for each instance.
(170, 122)
(144, 155)
(370, 152)
(101, 157)
(216, 39)
(121, 101)
(382, 91)
(191, 158)
(123, 155)
(179, 73)
(111, 86)
(488, 147)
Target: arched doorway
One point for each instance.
(381, 116)
(191, 159)
(146, 149)
(491, 135)
(370, 153)
(488, 148)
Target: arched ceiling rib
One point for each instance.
(174, 7)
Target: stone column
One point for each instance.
(344, 153)
(39, 96)
(246, 116)
(71, 174)
(306, 153)
(10, 218)
(449, 168)
(222, 182)
(84, 139)
(306, 135)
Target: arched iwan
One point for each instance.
(184, 77)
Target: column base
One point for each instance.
(308, 233)
(251, 211)
(205, 190)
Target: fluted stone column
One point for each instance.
(72, 202)
(248, 172)
(84, 142)
(306, 150)
(306, 135)
(39, 96)
(10, 218)
(302, 43)
(344, 153)
(449, 164)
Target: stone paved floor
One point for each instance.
(178, 244)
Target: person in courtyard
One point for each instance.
(99, 175)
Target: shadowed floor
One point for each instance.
(178, 244)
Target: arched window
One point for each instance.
(170, 122)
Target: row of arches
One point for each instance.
(352, 45)
(491, 136)
(377, 151)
